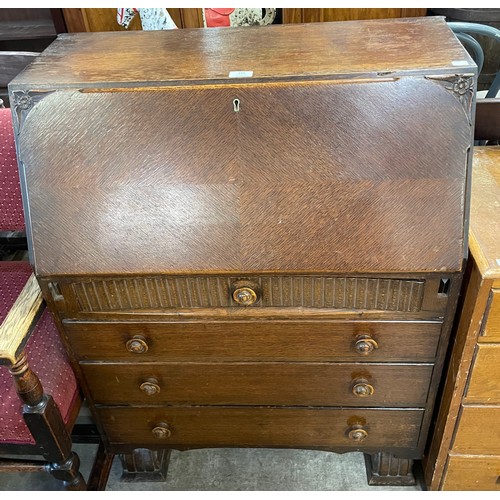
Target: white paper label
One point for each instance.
(240, 74)
(459, 63)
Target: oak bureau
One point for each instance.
(253, 237)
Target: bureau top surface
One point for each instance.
(485, 211)
(303, 51)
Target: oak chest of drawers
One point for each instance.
(253, 236)
(465, 447)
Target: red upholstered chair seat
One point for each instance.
(46, 356)
(11, 205)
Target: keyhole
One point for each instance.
(236, 105)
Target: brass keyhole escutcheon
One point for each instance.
(137, 345)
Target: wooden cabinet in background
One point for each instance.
(297, 15)
(105, 19)
(464, 452)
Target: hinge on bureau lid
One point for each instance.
(55, 291)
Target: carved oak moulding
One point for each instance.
(253, 236)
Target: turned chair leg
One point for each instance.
(44, 420)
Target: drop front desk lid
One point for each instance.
(331, 147)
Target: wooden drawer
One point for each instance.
(491, 331)
(256, 340)
(264, 426)
(77, 298)
(484, 384)
(302, 384)
(476, 473)
(478, 431)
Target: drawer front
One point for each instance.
(491, 331)
(259, 341)
(232, 426)
(195, 292)
(303, 384)
(478, 431)
(478, 473)
(484, 384)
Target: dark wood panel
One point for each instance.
(272, 51)
(205, 426)
(487, 124)
(290, 384)
(297, 15)
(12, 63)
(253, 340)
(226, 203)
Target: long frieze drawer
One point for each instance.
(478, 431)
(164, 293)
(491, 330)
(472, 473)
(354, 429)
(484, 384)
(287, 384)
(255, 340)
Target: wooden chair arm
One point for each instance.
(16, 327)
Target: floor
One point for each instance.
(229, 470)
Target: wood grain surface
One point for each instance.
(484, 385)
(299, 384)
(302, 50)
(200, 188)
(282, 427)
(478, 431)
(485, 210)
(254, 340)
(472, 473)
(181, 292)
(491, 328)
(15, 328)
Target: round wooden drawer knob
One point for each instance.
(150, 387)
(244, 296)
(362, 388)
(357, 433)
(365, 345)
(137, 345)
(161, 431)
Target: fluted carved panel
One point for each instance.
(277, 291)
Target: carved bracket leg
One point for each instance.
(145, 465)
(384, 469)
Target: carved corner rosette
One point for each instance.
(23, 102)
(461, 87)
